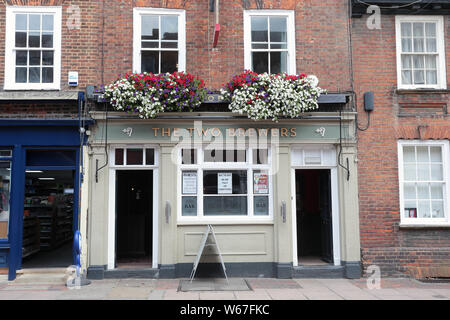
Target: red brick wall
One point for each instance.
(396, 116)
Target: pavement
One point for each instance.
(52, 287)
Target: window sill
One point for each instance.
(424, 90)
(425, 226)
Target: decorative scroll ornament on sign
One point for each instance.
(128, 131)
(321, 131)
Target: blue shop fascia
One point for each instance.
(36, 156)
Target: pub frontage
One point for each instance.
(281, 195)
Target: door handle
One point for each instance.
(283, 211)
(168, 210)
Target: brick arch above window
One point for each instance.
(34, 2)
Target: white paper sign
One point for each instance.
(225, 183)
(189, 182)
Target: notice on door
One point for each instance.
(225, 183)
(260, 183)
(189, 182)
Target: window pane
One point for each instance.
(225, 206)
(34, 75)
(422, 154)
(169, 27)
(21, 75)
(424, 209)
(410, 209)
(259, 29)
(409, 172)
(47, 58)
(406, 77)
(436, 154)
(150, 44)
(406, 44)
(189, 182)
(431, 77)
(150, 29)
(423, 172)
(189, 156)
(406, 29)
(169, 61)
(47, 40)
(5, 183)
(418, 45)
(437, 191)
(34, 39)
(406, 62)
(260, 46)
(278, 29)
(47, 75)
(419, 77)
(409, 191)
(35, 58)
(170, 45)
(418, 29)
(409, 154)
(149, 157)
(431, 45)
(260, 182)
(418, 61)
(21, 39)
(437, 209)
(5, 153)
(47, 22)
(118, 155)
(134, 156)
(423, 191)
(278, 46)
(189, 206)
(261, 206)
(212, 184)
(21, 22)
(278, 62)
(260, 156)
(35, 21)
(430, 29)
(437, 173)
(260, 62)
(225, 155)
(150, 61)
(21, 58)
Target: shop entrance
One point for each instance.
(134, 218)
(314, 216)
(48, 218)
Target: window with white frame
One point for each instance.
(420, 52)
(32, 48)
(424, 182)
(133, 156)
(225, 183)
(159, 40)
(269, 41)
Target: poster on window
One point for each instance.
(224, 183)
(189, 182)
(260, 183)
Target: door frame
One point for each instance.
(112, 203)
(335, 214)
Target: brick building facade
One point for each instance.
(399, 248)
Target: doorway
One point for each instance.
(48, 218)
(314, 216)
(134, 218)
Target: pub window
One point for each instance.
(269, 41)
(33, 48)
(225, 183)
(159, 40)
(424, 182)
(133, 156)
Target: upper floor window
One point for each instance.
(159, 40)
(424, 182)
(269, 41)
(420, 52)
(33, 48)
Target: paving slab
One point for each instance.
(234, 284)
(422, 294)
(217, 296)
(256, 294)
(178, 295)
(273, 283)
(134, 293)
(286, 294)
(156, 295)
